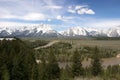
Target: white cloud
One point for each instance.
(85, 11)
(95, 23)
(71, 11)
(53, 7)
(34, 16)
(5, 13)
(104, 23)
(43, 10)
(12, 0)
(28, 16)
(90, 11)
(15, 24)
(59, 17)
(69, 7)
(65, 18)
(30, 10)
(8, 16)
(80, 9)
(49, 20)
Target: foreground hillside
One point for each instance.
(61, 60)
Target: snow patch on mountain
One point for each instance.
(74, 31)
(114, 32)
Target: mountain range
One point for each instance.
(44, 30)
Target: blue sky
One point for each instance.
(60, 14)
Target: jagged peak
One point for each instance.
(41, 29)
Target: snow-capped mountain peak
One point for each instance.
(75, 31)
(114, 32)
(35, 31)
(44, 30)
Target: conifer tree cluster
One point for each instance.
(17, 62)
(77, 69)
(96, 63)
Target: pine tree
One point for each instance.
(52, 69)
(66, 74)
(77, 69)
(42, 68)
(96, 63)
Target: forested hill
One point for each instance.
(17, 61)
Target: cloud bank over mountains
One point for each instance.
(40, 11)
